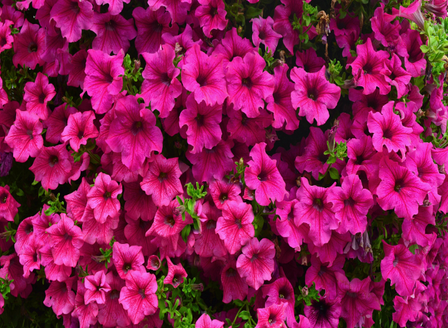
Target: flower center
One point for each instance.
(107, 195)
(114, 294)
(110, 25)
(262, 176)
(230, 272)
(247, 82)
(169, 221)
(42, 98)
(223, 197)
(127, 267)
(202, 80)
(4, 198)
(318, 204)
(162, 176)
(141, 291)
(398, 185)
(53, 160)
(67, 237)
(387, 133)
(350, 202)
(211, 224)
(29, 229)
(165, 79)
(238, 223)
(80, 134)
(32, 47)
(136, 127)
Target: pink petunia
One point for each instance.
(263, 32)
(324, 313)
(314, 95)
(138, 296)
(235, 227)
(288, 211)
(162, 180)
(398, 77)
(66, 241)
(137, 203)
(113, 33)
(176, 274)
(203, 124)
(60, 296)
(6, 38)
(211, 15)
(103, 80)
(133, 133)
(86, 313)
(262, 175)
(272, 316)
(127, 258)
(102, 198)
(223, 192)
(248, 84)
(115, 6)
(204, 321)
(8, 205)
(177, 9)
(399, 189)
(25, 137)
(315, 209)
(29, 46)
(72, 16)
(96, 288)
(37, 95)
(203, 76)
(79, 129)
(234, 287)
(53, 166)
(281, 292)
(351, 204)
(161, 86)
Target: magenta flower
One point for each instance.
(399, 189)
(203, 124)
(323, 314)
(8, 205)
(388, 130)
(288, 211)
(177, 9)
(234, 287)
(25, 137)
(279, 102)
(161, 86)
(184, 40)
(86, 313)
(208, 243)
(133, 133)
(315, 209)
(368, 68)
(138, 296)
(211, 15)
(272, 316)
(72, 16)
(203, 76)
(414, 60)
(77, 72)
(95, 231)
(397, 76)
(137, 203)
(314, 95)
(402, 268)
(151, 24)
(262, 175)
(356, 299)
(113, 33)
(281, 292)
(29, 46)
(37, 95)
(176, 274)
(6, 39)
(115, 6)
(248, 130)
(223, 192)
(66, 241)
(233, 46)
(323, 274)
(60, 296)
(53, 166)
(263, 32)
(103, 79)
(256, 263)
(414, 230)
(351, 204)
(204, 321)
(309, 60)
(162, 180)
(29, 256)
(96, 288)
(235, 227)
(103, 198)
(248, 85)
(57, 121)
(127, 258)
(79, 129)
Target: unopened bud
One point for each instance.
(305, 291)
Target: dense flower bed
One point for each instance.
(211, 163)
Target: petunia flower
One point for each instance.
(113, 33)
(176, 274)
(323, 275)
(402, 268)
(37, 95)
(223, 192)
(314, 95)
(96, 288)
(414, 60)
(324, 313)
(279, 103)
(137, 203)
(234, 287)
(115, 6)
(127, 258)
(385, 28)
(315, 209)
(399, 189)
(398, 76)
(350, 204)
(414, 230)
(138, 296)
(211, 15)
(262, 175)
(248, 85)
(29, 256)
(177, 9)
(133, 133)
(102, 198)
(25, 137)
(368, 68)
(203, 124)
(66, 241)
(283, 16)
(53, 166)
(204, 321)
(86, 313)
(309, 60)
(60, 296)
(57, 121)
(263, 32)
(96, 232)
(162, 180)
(161, 86)
(29, 45)
(281, 292)
(6, 38)
(72, 16)
(256, 263)
(103, 80)
(388, 130)
(79, 129)
(287, 212)
(235, 227)
(77, 74)
(8, 205)
(271, 316)
(184, 41)
(203, 76)
(248, 130)
(151, 24)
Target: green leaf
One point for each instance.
(252, 12)
(334, 174)
(245, 315)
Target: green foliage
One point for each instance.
(336, 151)
(5, 287)
(187, 206)
(132, 78)
(308, 294)
(335, 69)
